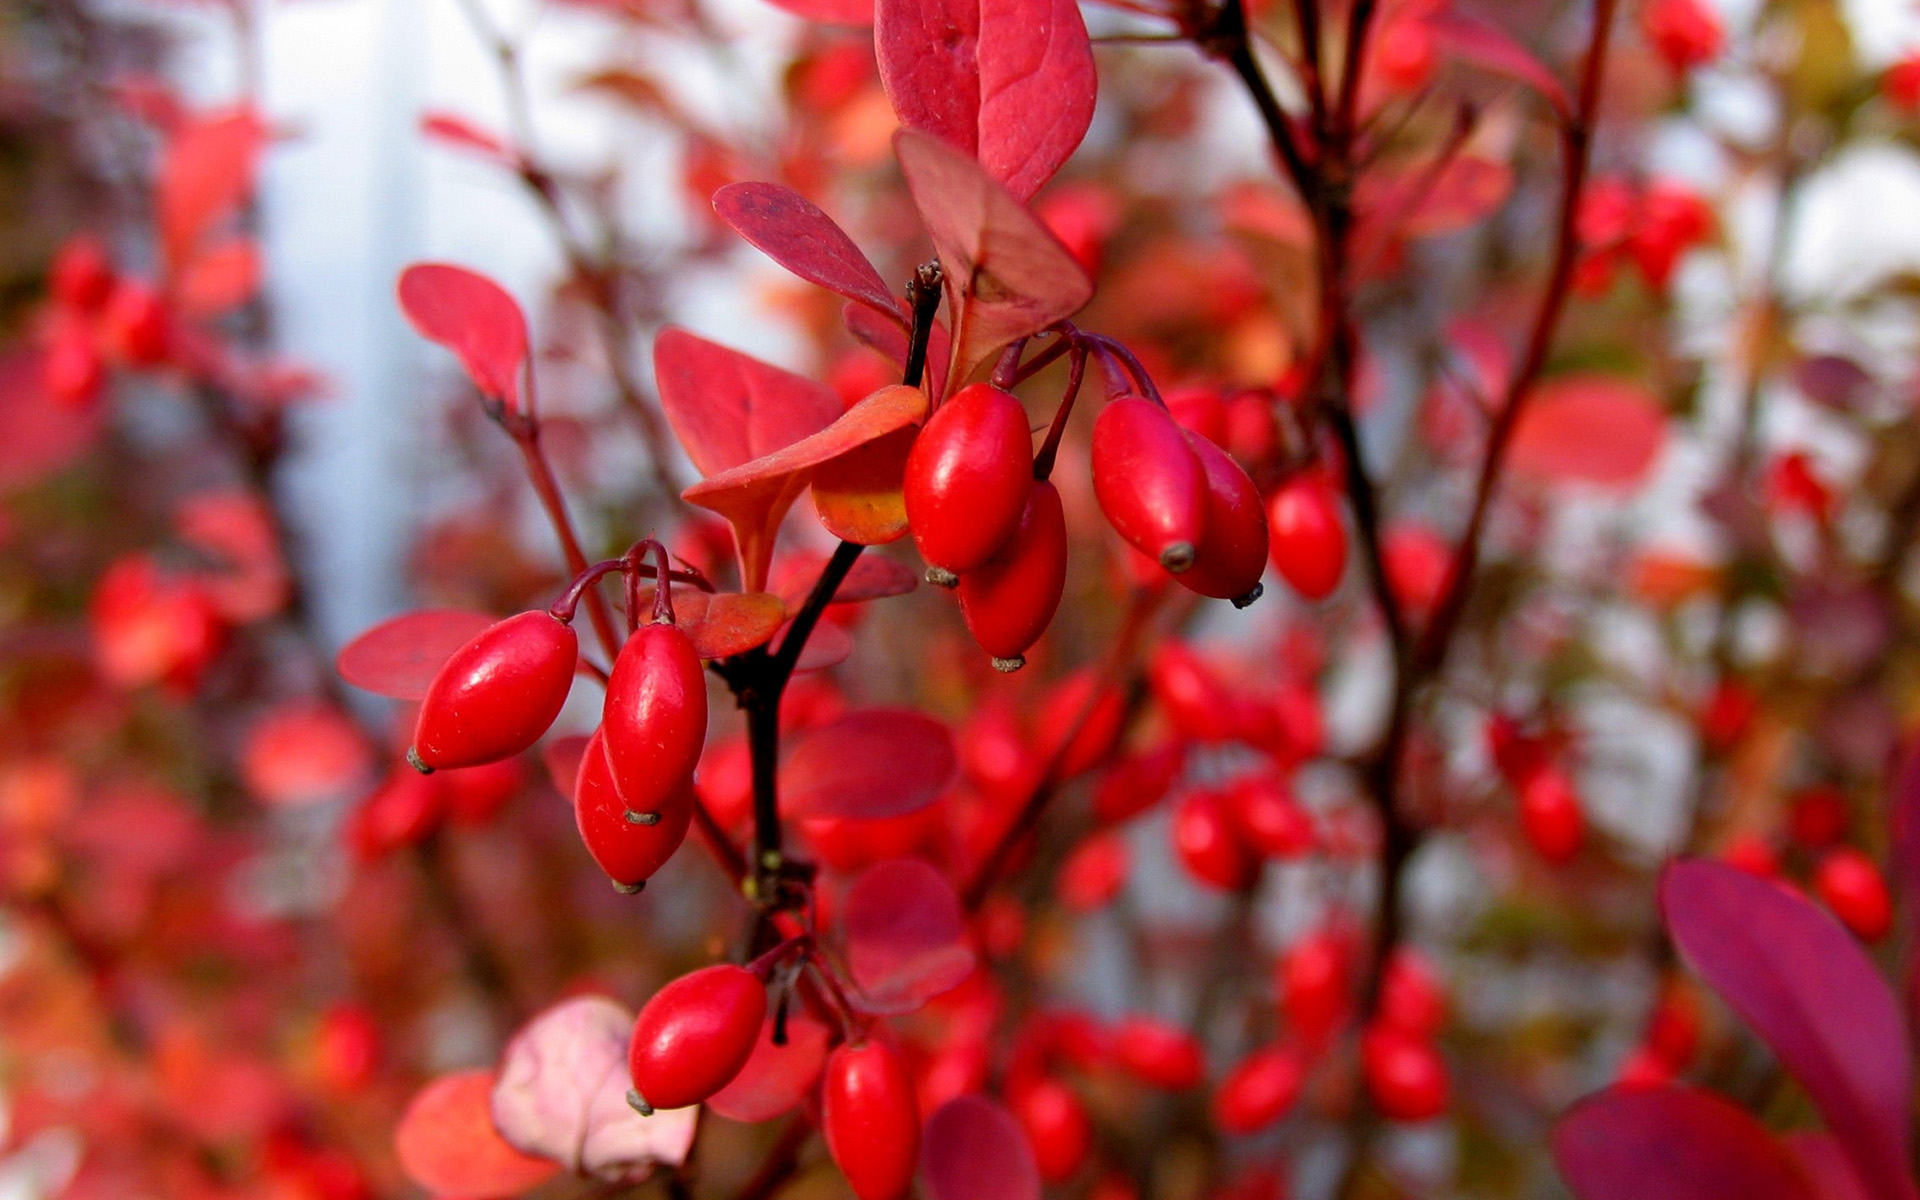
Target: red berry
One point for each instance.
(1673, 1029)
(1729, 709)
(346, 1048)
(1137, 782)
(497, 694)
(1849, 883)
(695, 1034)
(1009, 600)
(1189, 693)
(1644, 1068)
(1211, 845)
(72, 369)
(137, 323)
(1901, 84)
(628, 846)
(1259, 1090)
(1312, 982)
(1411, 997)
(1403, 54)
(404, 809)
(1158, 1054)
(1094, 873)
(1550, 814)
(1198, 410)
(1232, 552)
(1056, 1124)
(867, 1113)
(1405, 1075)
(1085, 690)
(655, 719)
(967, 478)
(1308, 541)
(475, 795)
(1684, 33)
(1273, 823)
(1818, 817)
(1750, 853)
(82, 276)
(1149, 482)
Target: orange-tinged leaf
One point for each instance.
(206, 173)
(447, 1143)
(722, 624)
(1595, 429)
(222, 277)
(860, 495)
(1007, 276)
(755, 496)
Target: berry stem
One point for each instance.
(1050, 449)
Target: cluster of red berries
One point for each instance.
(1551, 816)
(1651, 226)
(1841, 876)
(96, 317)
(502, 690)
(1684, 33)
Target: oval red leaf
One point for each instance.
(792, 231)
(870, 763)
(400, 657)
(872, 578)
(1806, 987)
(728, 408)
(973, 1148)
(776, 1078)
(475, 318)
(1590, 429)
(906, 937)
(1673, 1143)
(447, 1143)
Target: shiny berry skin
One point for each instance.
(868, 1114)
(1009, 600)
(1259, 1090)
(1211, 845)
(1406, 1076)
(1087, 691)
(1094, 873)
(696, 1033)
(1232, 553)
(497, 694)
(1158, 1054)
(1684, 33)
(1137, 782)
(1150, 484)
(1312, 980)
(1849, 883)
(136, 322)
(1550, 814)
(626, 845)
(655, 718)
(1189, 693)
(967, 478)
(1056, 1124)
(1272, 822)
(1411, 997)
(81, 277)
(1901, 84)
(1307, 539)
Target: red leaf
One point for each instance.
(860, 496)
(1491, 48)
(829, 646)
(38, 435)
(786, 227)
(303, 752)
(399, 657)
(873, 762)
(777, 1078)
(475, 318)
(206, 173)
(462, 134)
(561, 756)
(973, 1148)
(872, 578)
(1806, 987)
(447, 1143)
(906, 937)
(1824, 1161)
(891, 340)
(1673, 1143)
(221, 278)
(754, 496)
(729, 409)
(725, 623)
(832, 12)
(1008, 82)
(1007, 276)
(1593, 429)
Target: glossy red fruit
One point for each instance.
(1849, 883)
(82, 276)
(475, 795)
(1751, 853)
(1009, 600)
(1307, 539)
(1673, 1028)
(1232, 553)
(1088, 691)
(1211, 845)
(1057, 1126)
(1818, 817)
(1411, 997)
(1137, 782)
(346, 1048)
(1190, 693)
(695, 1034)
(655, 718)
(1272, 822)
(402, 811)
(1684, 33)
(1094, 873)
(872, 1127)
(626, 844)
(1550, 814)
(136, 323)
(1406, 1077)
(1158, 1054)
(497, 694)
(1259, 1090)
(1149, 482)
(1312, 980)
(967, 478)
